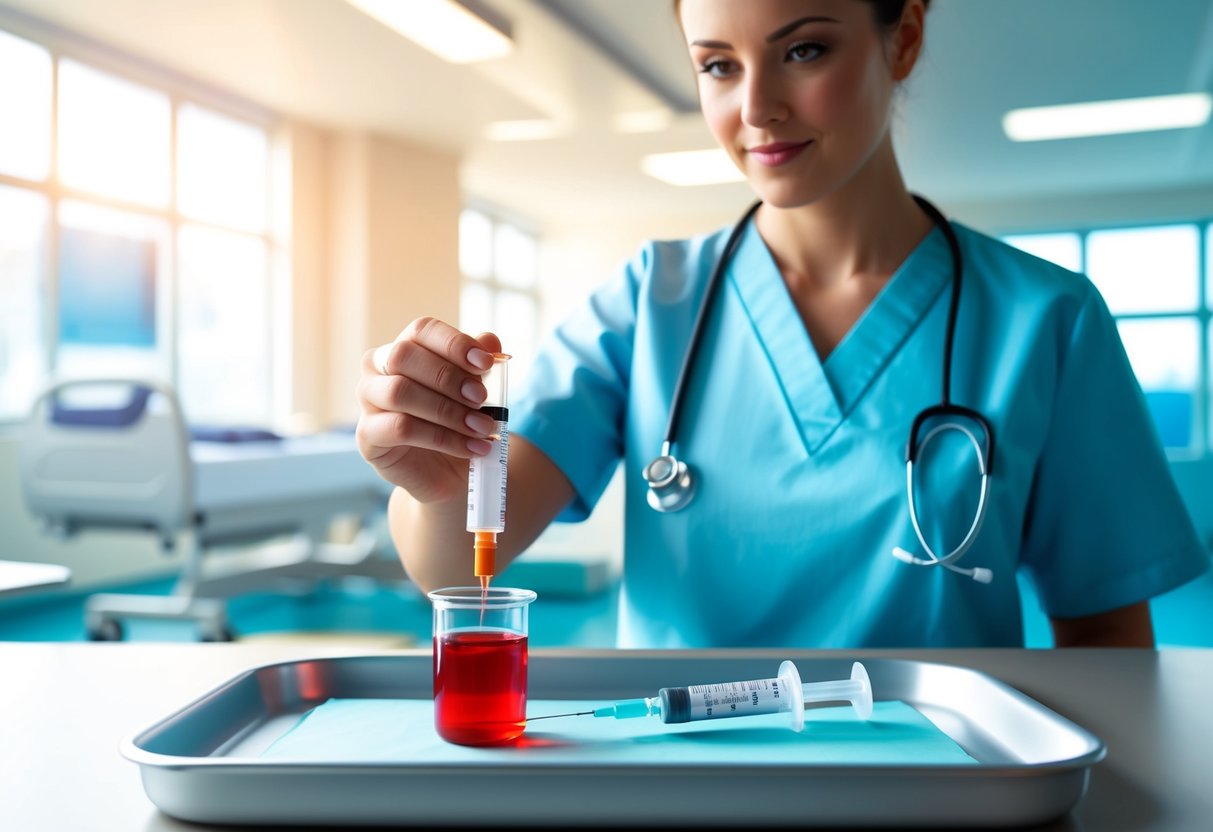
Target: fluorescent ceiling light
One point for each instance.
(644, 121)
(1099, 118)
(692, 167)
(459, 31)
(524, 130)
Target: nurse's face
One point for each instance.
(796, 91)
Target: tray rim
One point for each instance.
(132, 750)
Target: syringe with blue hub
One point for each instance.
(723, 700)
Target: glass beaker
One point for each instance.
(480, 656)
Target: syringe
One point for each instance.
(487, 475)
(759, 696)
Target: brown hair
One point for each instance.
(886, 12)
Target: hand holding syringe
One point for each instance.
(729, 699)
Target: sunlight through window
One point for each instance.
(475, 245)
(500, 290)
(1063, 249)
(23, 232)
(1164, 353)
(114, 136)
(1140, 270)
(222, 169)
(224, 337)
(25, 108)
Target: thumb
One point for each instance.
(489, 342)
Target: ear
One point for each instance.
(907, 40)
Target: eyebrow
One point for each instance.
(781, 32)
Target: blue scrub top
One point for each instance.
(800, 463)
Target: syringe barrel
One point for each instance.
(487, 474)
(725, 699)
(495, 381)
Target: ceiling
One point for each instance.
(583, 64)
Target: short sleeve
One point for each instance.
(1106, 526)
(574, 404)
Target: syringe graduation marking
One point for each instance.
(483, 472)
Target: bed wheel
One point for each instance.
(226, 634)
(105, 630)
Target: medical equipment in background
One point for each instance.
(672, 482)
(134, 466)
(724, 700)
(487, 474)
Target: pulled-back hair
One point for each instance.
(886, 12)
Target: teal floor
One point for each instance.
(349, 607)
(1182, 618)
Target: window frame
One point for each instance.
(491, 283)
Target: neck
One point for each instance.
(862, 231)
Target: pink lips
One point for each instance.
(779, 153)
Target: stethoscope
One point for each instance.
(672, 483)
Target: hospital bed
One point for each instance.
(133, 465)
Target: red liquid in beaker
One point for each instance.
(480, 686)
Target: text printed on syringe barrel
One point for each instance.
(487, 482)
(727, 699)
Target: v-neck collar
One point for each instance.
(821, 395)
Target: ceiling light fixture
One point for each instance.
(644, 121)
(692, 167)
(459, 31)
(524, 130)
(1101, 118)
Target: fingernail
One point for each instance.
(480, 423)
(479, 358)
(473, 391)
(479, 447)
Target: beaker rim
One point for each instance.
(496, 597)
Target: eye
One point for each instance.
(717, 67)
(805, 51)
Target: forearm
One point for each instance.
(433, 540)
(1130, 626)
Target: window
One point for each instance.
(1152, 280)
(24, 226)
(500, 292)
(134, 237)
(25, 108)
(113, 136)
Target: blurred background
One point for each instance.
(236, 198)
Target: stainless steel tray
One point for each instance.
(202, 763)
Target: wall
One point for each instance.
(393, 218)
(1002, 216)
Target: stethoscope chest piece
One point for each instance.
(670, 483)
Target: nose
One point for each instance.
(763, 102)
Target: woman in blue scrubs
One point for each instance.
(824, 341)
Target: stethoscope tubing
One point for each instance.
(672, 485)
